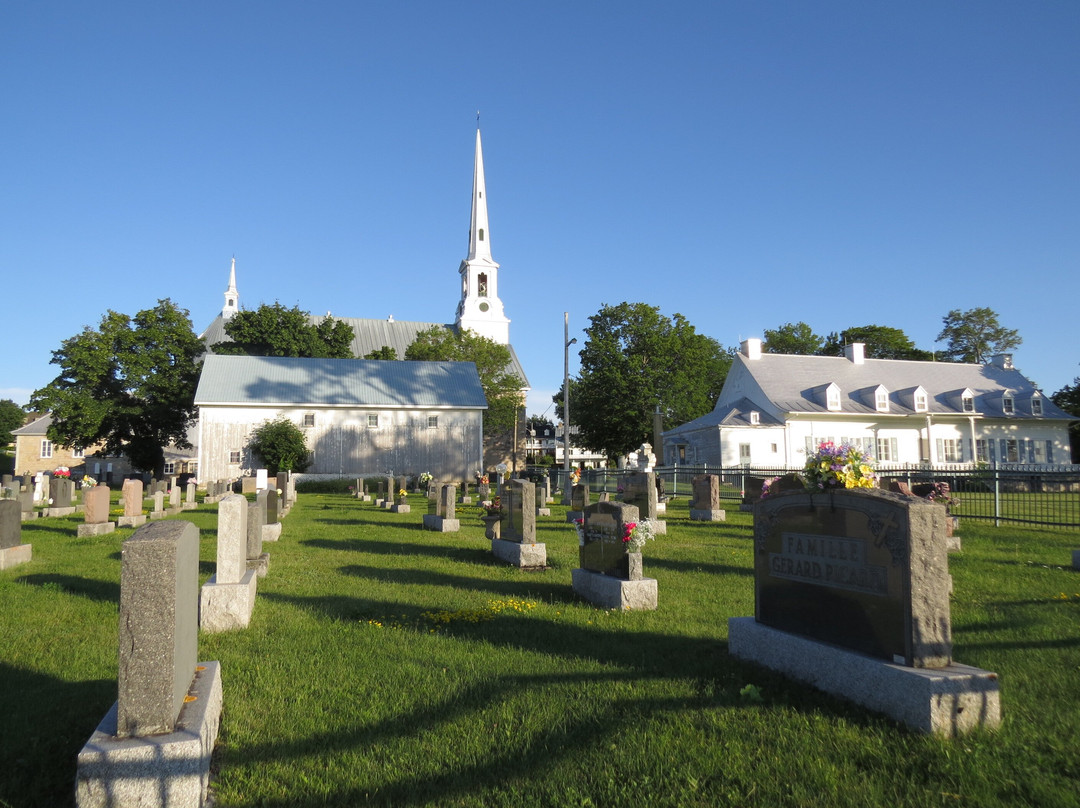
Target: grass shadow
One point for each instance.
(525, 587)
(104, 591)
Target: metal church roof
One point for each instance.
(284, 380)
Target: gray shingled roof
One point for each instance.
(283, 380)
(370, 335)
(792, 382)
(39, 426)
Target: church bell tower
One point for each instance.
(480, 309)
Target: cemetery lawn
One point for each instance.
(386, 665)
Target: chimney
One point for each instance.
(854, 353)
(751, 348)
(1002, 360)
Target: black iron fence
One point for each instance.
(1044, 496)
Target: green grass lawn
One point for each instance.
(386, 665)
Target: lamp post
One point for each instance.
(567, 342)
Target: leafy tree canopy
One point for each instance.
(793, 338)
(502, 387)
(129, 384)
(975, 335)
(635, 359)
(12, 417)
(273, 330)
(281, 446)
(1068, 398)
(881, 342)
(540, 421)
(385, 352)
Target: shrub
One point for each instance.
(281, 446)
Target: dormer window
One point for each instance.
(832, 397)
(755, 418)
(1008, 406)
(1036, 404)
(881, 399)
(967, 401)
(920, 400)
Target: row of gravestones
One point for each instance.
(154, 746)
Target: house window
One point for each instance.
(433, 422)
(886, 450)
(373, 421)
(967, 402)
(755, 417)
(234, 457)
(832, 397)
(1010, 450)
(309, 419)
(744, 452)
(1040, 451)
(170, 467)
(1007, 405)
(46, 448)
(78, 452)
(949, 450)
(881, 400)
(920, 401)
(1049, 451)
(982, 451)
(1036, 405)
(772, 447)
(193, 467)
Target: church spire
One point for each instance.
(232, 297)
(479, 232)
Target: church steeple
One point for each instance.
(480, 309)
(232, 297)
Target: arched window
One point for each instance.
(481, 234)
(481, 283)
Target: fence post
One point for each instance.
(997, 498)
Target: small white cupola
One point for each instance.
(751, 348)
(1003, 361)
(855, 353)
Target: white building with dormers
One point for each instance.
(775, 408)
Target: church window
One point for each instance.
(481, 234)
(234, 457)
(373, 421)
(309, 419)
(481, 282)
(433, 422)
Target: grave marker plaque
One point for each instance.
(519, 512)
(602, 548)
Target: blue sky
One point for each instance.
(744, 164)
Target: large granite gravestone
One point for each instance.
(267, 499)
(249, 485)
(154, 746)
(25, 498)
(132, 497)
(61, 497)
(12, 549)
(639, 490)
(705, 505)
(444, 520)
(579, 500)
(609, 576)
(175, 504)
(158, 511)
(852, 595)
(189, 497)
(517, 544)
(96, 512)
(256, 522)
(228, 597)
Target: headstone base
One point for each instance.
(952, 544)
(261, 565)
(223, 607)
(380, 503)
(189, 506)
(131, 521)
(708, 515)
(946, 701)
(609, 592)
(659, 527)
(95, 529)
(365, 498)
(401, 508)
(441, 524)
(156, 770)
(661, 507)
(271, 532)
(60, 511)
(28, 515)
(465, 500)
(1076, 559)
(517, 554)
(155, 515)
(13, 556)
(543, 511)
(573, 516)
(387, 504)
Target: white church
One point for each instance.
(363, 416)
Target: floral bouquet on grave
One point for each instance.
(843, 466)
(402, 495)
(424, 479)
(765, 486)
(88, 482)
(635, 534)
(492, 507)
(575, 477)
(61, 471)
(483, 478)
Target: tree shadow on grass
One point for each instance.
(46, 722)
(105, 591)
(692, 566)
(525, 587)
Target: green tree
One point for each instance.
(273, 330)
(129, 385)
(281, 446)
(385, 352)
(12, 417)
(882, 342)
(502, 387)
(792, 338)
(975, 335)
(635, 359)
(1068, 398)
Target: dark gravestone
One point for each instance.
(603, 549)
(579, 497)
(61, 491)
(447, 499)
(639, 490)
(256, 521)
(10, 524)
(864, 570)
(519, 512)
